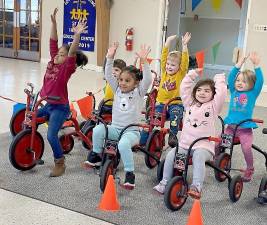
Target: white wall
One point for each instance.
(143, 16)
(47, 9)
(256, 41)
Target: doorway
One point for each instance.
(20, 29)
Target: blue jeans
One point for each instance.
(127, 141)
(56, 114)
(174, 114)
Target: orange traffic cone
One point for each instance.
(109, 201)
(195, 217)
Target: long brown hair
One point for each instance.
(200, 83)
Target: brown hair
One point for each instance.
(200, 83)
(249, 77)
(137, 74)
(81, 58)
(119, 63)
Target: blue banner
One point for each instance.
(195, 4)
(75, 10)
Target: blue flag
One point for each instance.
(195, 4)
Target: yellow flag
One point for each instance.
(216, 4)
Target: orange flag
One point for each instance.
(239, 2)
(149, 60)
(200, 56)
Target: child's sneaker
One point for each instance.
(86, 165)
(129, 182)
(160, 188)
(194, 192)
(172, 140)
(94, 159)
(247, 176)
(263, 195)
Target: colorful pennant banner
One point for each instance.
(215, 49)
(239, 2)
(216, 5)
(195, 4)
(200, 56)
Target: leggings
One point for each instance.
(127, 141)
(200, 156)
(245, 136)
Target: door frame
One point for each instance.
(15, 52)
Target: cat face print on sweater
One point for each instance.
(198, 118)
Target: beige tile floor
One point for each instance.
(14, 74)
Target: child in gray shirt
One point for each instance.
(129, 91)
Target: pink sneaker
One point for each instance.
(247, 176)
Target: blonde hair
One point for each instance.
(175, 55)
(249, 77)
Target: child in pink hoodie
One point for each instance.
(202, 103)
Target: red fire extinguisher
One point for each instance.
(129, 39)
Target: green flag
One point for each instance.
(215, 49)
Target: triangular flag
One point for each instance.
(239, 2)
(195, 4)
(195, 216)
(200, 56)
(149, 60)
(216, 5)
(215, 49)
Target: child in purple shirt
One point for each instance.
(62, 65)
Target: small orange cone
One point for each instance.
(109, 201)
(195, 217)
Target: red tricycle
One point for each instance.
(228, 141)
(85, 127)
(111, 155)
(156, 131)
(16, 123)
(176, 191)
(27, 147)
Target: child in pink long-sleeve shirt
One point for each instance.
(202, 103)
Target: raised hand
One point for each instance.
(112, 50)
(53, 16)
(143, 53)
(186, 38)
(254, 58)
(171, 38)
(80, 27)
(241, 61)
